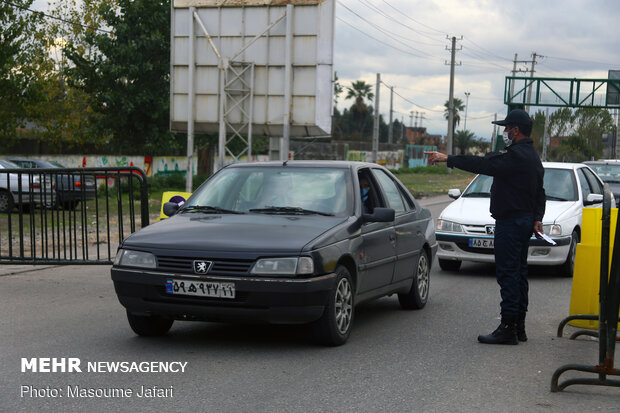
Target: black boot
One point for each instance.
(521, 327)
(506, 333)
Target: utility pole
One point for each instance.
(529, 90)
(451, 97)
(545, 141)
(494, 133)
(390, 133)
(375, 129)
(416, 119)
(512, 82)
(466, 104)
(402, 128)
(411, 119)
(421, 118)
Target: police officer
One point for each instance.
(518, 206)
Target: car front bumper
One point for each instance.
(271, 300)
(456, 247)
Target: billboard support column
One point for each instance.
(222, 131)
(190, 103)
(288, 59)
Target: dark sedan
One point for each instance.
(279, 243)
(71, 187)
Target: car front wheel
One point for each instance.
(418, 295)
(6, 201)
(149, 326)
(334, 326)
(568, 267)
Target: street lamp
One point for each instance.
(466, 103)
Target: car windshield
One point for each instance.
(8, 164)
(276, 190)
(607, 172)
(480, 187)
(559, 185)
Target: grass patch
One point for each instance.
(427, 181)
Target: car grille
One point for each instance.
(220, 267)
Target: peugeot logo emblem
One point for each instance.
(202, 267)
(490, 229)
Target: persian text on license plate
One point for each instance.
(200, 288)
(481, 242)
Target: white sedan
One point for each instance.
(465, 227)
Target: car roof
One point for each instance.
(562, 165)
(307, 163)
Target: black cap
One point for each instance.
(517, 117)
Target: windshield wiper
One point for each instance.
(477, 194)
(209, 208)
(289, 210)
(556, 198)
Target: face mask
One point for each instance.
(506, 137)
(364, 194)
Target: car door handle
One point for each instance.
(392, 237)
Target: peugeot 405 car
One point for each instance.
(465, 228)
(285, 242)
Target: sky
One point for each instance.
(406, 41)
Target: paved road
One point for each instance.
(395, 360)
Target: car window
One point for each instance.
(560, 185)
(585, 185)
(595, 184)
(324, 190)
(391, 191)
(607, 172)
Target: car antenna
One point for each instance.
(284, 163)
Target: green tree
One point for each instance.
(360, 91)
(458, 107)
(22, 52)
(463, 140)
(126, 73)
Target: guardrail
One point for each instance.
(69, 215)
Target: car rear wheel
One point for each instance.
(566, 269)
(6, 201)
(449, 265)
(149, 326)
(334, 326)
(418, 295)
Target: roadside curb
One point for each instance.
(20, 269)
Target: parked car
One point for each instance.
(279, 243)
(71, 187)
(609, 172)
(465, 227)
(25, 190)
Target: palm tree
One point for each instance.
(360, 90)
(464, 140)
(458, 106)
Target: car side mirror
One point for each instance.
(592, 199)
(379, 215)
(454, 193)
(171, 208)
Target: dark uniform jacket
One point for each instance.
(517, 189)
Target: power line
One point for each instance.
(382, 30)
(582, 61)
(414, 20)
(415, 104)
(54, 17)
(381, 41)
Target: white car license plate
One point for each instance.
(200, 288)
(481, 242)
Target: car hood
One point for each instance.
(475, 211)
(233, 233)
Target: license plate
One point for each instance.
(200, 288)
(481, 242)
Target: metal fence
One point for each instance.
(69, 215)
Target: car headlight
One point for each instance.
(284, 266)
(448, 226)
(132, 258)
(552, 229)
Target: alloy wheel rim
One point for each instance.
(423, 276)
(343, 305)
